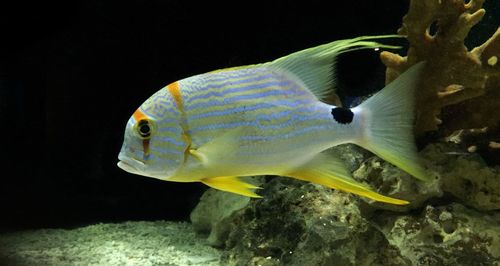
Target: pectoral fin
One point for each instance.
(232, 184)
(329, 171)
(219, 149)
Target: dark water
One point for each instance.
(71, 74)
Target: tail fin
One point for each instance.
(315, 66)
(387, 123)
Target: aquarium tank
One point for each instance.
(250, 133)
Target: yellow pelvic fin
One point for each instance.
(329, 171)
(231, 184)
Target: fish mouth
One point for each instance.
(130, 165)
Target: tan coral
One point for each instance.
(456, 79)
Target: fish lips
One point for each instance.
(130, 165)
(138, 167)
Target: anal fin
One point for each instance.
(232, 184)
(330, 171)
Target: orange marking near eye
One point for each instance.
(145, 147)
(139, 115)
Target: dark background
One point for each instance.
(71, 74)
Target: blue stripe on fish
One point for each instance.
(167, 151)
(150, 112)
(296, 113)
(258, 123)
(200, 83)
(209, 92)
(291, 134)
(258, 106)
(165, 160)
(171, 140)
(259, 94)
(159, 112)
(174, 130)
(213, 77)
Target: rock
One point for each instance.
(352, 155)
(212, 214)
(465, 175)
(305, 224)
(457, 172)
(298, 223)
(387, 179)
(391, 181)
(445, 235)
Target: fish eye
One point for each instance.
(144, 129)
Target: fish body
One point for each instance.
(268, 119)
(263, 112)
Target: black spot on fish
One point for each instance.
(342, 115)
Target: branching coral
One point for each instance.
(461, 88)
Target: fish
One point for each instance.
(272, 119)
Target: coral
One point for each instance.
(461, 88)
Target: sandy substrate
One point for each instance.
(129, 243)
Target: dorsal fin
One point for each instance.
(315, 66)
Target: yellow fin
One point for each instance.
(231, 184)
(329, 171)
